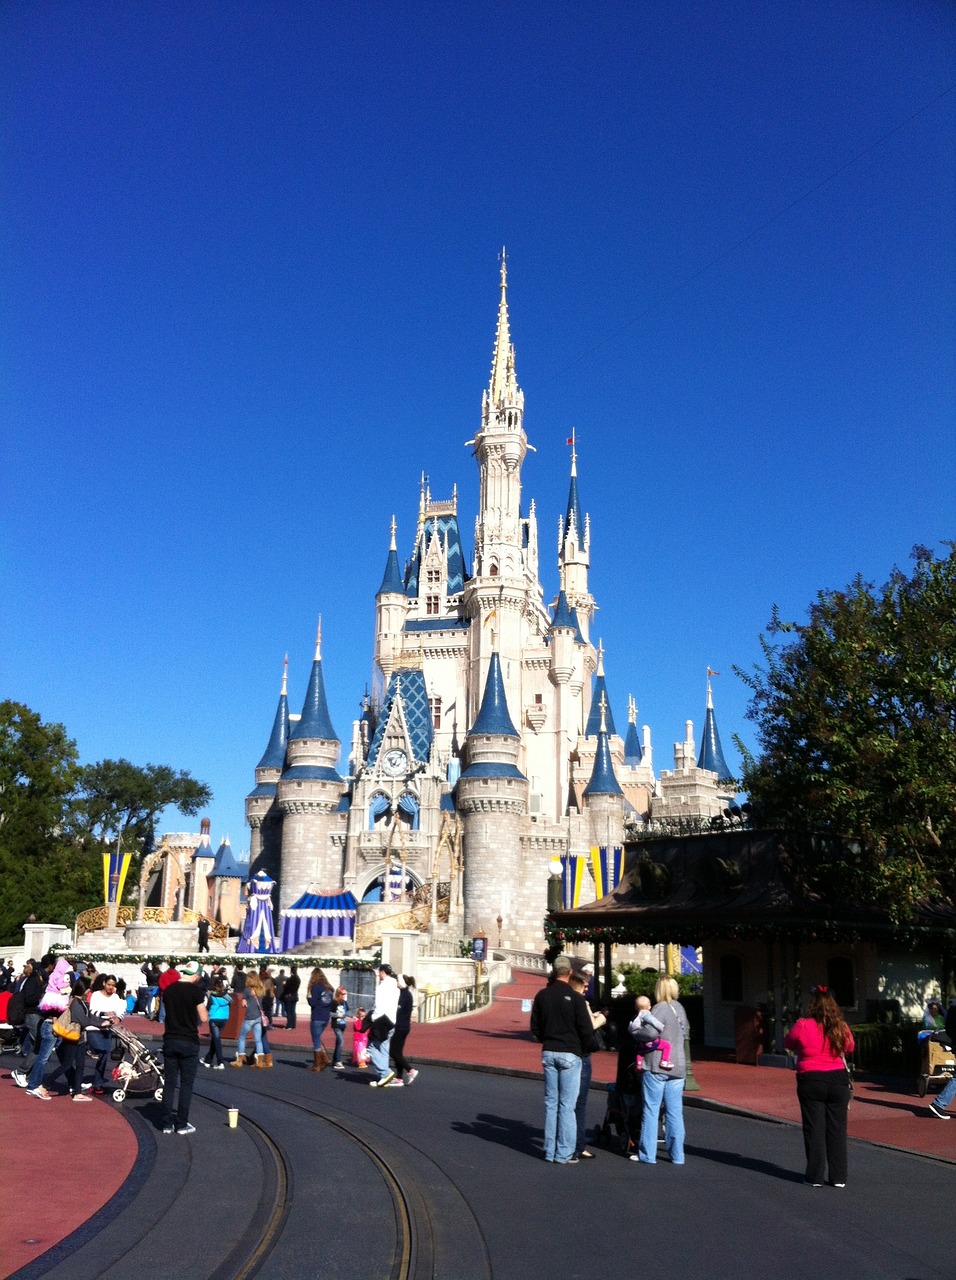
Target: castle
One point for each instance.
(488, 746)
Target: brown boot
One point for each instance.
(316, 1062)
(238, 1062)
(261, 1061)
(268, 1060)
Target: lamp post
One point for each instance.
(554, 885)
(499, 922)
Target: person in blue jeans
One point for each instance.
(948, 1092)
(217, 1006)
(561, 1021)
(663, 1089)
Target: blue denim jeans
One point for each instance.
(581, 1106)
(44, 1047)
(562, 1076)
(215, 1042)
(338, 1032)
(317, 1029)
(101, 1042)
(946, 1094)
(378, 1052)
(658, 1091)
(255, 1026)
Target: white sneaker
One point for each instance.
(395, 1084)
(86, 1087)
(220, 1066)
(338, 1067)
(20, 1079)
(205, 1063)
(412, 1076)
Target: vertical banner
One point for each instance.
(691, 960)
(572, 878)
(115, 867)
(607, 865)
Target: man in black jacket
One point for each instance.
(561, 1022)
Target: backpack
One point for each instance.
(17, 1009)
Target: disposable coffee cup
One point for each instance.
(233, 1117)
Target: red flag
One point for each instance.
(570, 440)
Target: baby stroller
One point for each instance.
(137, 1071)
(939, 1061)
(621, 1125)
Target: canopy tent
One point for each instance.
(317, 915)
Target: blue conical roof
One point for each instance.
(274, 755)
(633, 752)
(594, 715)
(574, 511)
(566, 617)
(392, 583)
(711, 755)
(493, 716)
(603, 782)
(316, 721)
(227, 865)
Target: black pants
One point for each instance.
(180, 1064)
(397, 1050)
(824, 1097)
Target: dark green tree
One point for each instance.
(117, 800)
(856, 730)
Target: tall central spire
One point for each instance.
(503, 380)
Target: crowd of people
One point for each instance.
(65, 1008)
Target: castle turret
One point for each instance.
(200, 865)
(309, 791)
(603, 797)
(633, 755)
(262, 813)
(391, 605)
(711, 753)
(574, 550)
(592, 728)
(492, 797)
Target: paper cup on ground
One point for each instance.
(233, 1117)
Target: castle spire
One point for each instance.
(503, 360)
(633, 755)
(603, 781)
(600, 698)
(392, 583)
(315, 721)
(711, 753)
(274, 755)
(493, 715)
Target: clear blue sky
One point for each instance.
(249, 294)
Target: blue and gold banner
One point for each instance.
(573, 872)
(115, 867)
(607, 865)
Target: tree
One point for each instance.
(856, 728)
(122, 801)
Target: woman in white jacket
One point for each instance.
(382, 1024)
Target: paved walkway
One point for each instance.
(71, 1159)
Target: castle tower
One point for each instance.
(492, 797)
(574, 550)
(262, 813)
(603, 797)
(308, 793)
(391, 606)
(497, 595)
(200, 866)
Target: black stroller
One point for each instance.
(137, 1071)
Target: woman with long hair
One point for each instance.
(218, 1001)
(405, 1073)
(104, 1003)
(821, 1041)
(321, 996)
(340, 1020)
(252, 1022)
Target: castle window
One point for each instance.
(433, 604)
(538, 699)
(494, 569)
(435, 708)
(433, 577)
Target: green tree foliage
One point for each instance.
(57, 817)
(856, 728)
(119, 800)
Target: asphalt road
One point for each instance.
(327, 1177)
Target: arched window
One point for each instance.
(842, 981)
(407, 810)
(378, 808)
(732, 979)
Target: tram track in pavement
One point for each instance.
(258, 1186)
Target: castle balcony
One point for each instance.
(416, 846)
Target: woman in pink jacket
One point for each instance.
(821, 1042)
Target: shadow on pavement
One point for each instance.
(744, 1162)
(505, 1131)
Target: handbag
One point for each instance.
(66, 1028)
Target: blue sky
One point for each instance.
(249, 295)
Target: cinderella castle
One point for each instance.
(488, 747)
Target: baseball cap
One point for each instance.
(190, 970)
(562, 964)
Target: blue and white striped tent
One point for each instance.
(317, 915)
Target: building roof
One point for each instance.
(392, 583)
(603, 782)
(228, 865)
(274, 755)
(315, 721)
(633, 751)
(445, 524)
(593, 725)
(493, 716)
(711, 754)
(566, 617)
(406, 687)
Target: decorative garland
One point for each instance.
(207, 959)
(811, 931)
